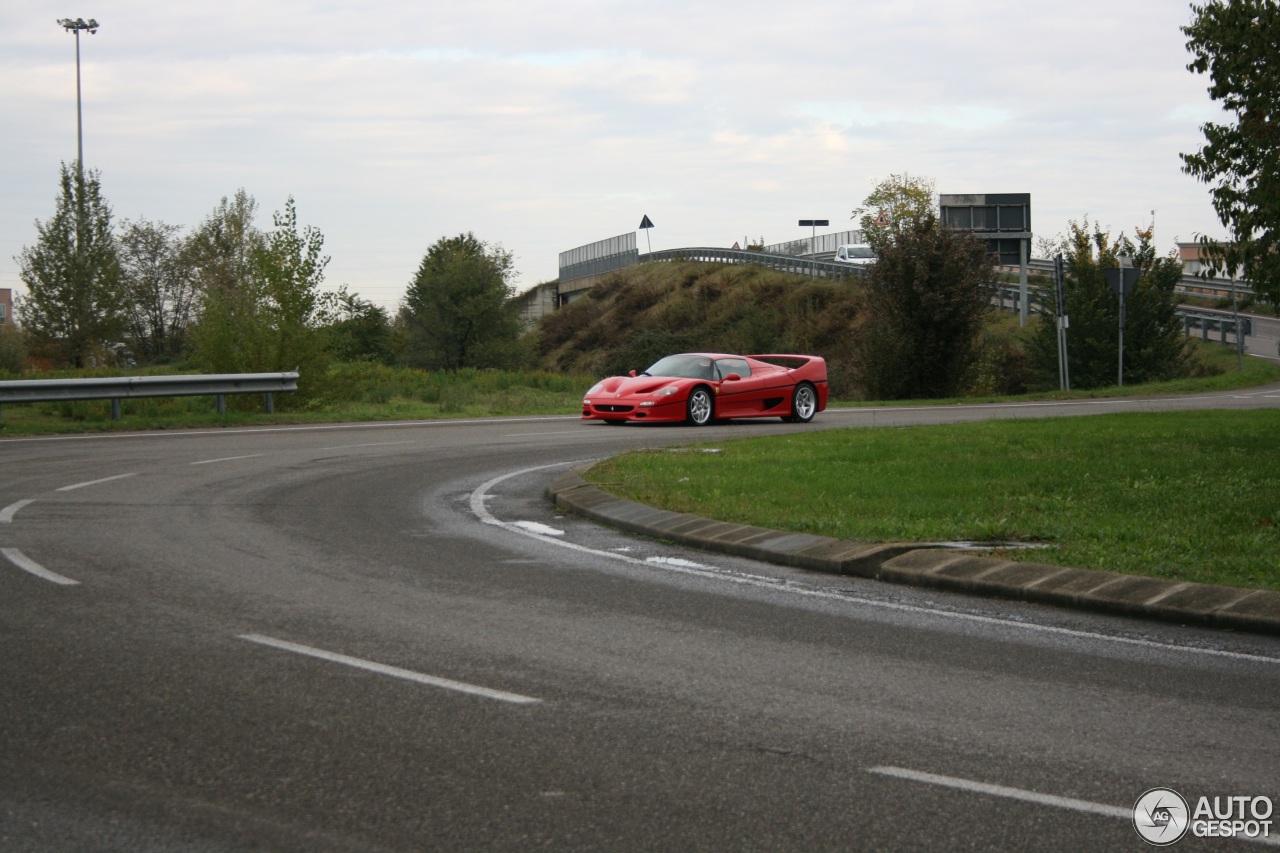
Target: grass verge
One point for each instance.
(1184, 495)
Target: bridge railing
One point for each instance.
(785, 263)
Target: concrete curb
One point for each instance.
(1131, 595)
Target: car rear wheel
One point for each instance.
(804, 404)
(700, 407)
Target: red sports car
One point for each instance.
(698, 388)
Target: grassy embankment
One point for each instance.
(1185, 495)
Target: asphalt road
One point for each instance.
(382, 637)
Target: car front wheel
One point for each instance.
(700, 407)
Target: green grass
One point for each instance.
(1186, 495)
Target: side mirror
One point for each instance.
(732, 377)
(632, 374)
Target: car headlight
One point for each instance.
(667, 391)
(595, 389)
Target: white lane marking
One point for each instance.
(1006, 792)
(370, 444)
(22, 561)
(1030, 797)
(528, 434)
(535, 527)
(227, 459)
(480, 495)
(95, 482)
(7, 514)
(676, 561)
(393, 671)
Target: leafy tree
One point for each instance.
(1155, 347)
(355, 328)
(230, 334)
(74, 309)
(927, 298)
(904, 200)
(259, 293)
(159, 290)
(291, 268)
(1236, 43)
(458, 311)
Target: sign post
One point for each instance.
(1122, 279)
(813, 258)
(645, 224)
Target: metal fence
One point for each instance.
(821, 245)
(599, 257)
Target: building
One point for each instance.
(6, 307)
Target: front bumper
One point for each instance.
(633, 409)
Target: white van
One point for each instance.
(858, 254)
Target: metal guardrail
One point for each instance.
(785, 263)
(118, 388)
(1207, 320)
(1191, 285)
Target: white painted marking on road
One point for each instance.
(94, 482)
(675, 561)
(1025, 796)
(1005, 792)
(22, 561)
(481, 494)
(535, 527)
(7, 514)
(370, 444)
(530, 434)
(393, 671)
(227, 459)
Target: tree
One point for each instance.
(927, 298)
(355, 328)
(458, 311)
(1236, 43)
(159, 290)
(74, 310)
(229, 335)
(904, 200)
(291, 268)
(259, 293)
(1155, 346)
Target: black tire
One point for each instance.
(700, 408)
(804, 404)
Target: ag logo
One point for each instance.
(1160, 816)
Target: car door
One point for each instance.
(740, 397)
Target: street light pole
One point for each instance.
(75, 27)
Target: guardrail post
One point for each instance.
(221, 402)
(115, 408)
(269, 403)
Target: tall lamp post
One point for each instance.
(75, 27)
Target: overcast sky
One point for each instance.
(543, 126)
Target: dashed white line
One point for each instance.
(22, 561)
(1005, 792)
(94, 482)
(227, 459)
(393, 671)
(7, 514)
(371, 444)
(1025, 796)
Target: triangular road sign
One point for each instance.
(646, 222)
(881, 220)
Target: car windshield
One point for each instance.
(861, 252)
(683, 366)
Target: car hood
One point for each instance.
(628, 386)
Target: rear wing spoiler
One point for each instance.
(789, 361)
